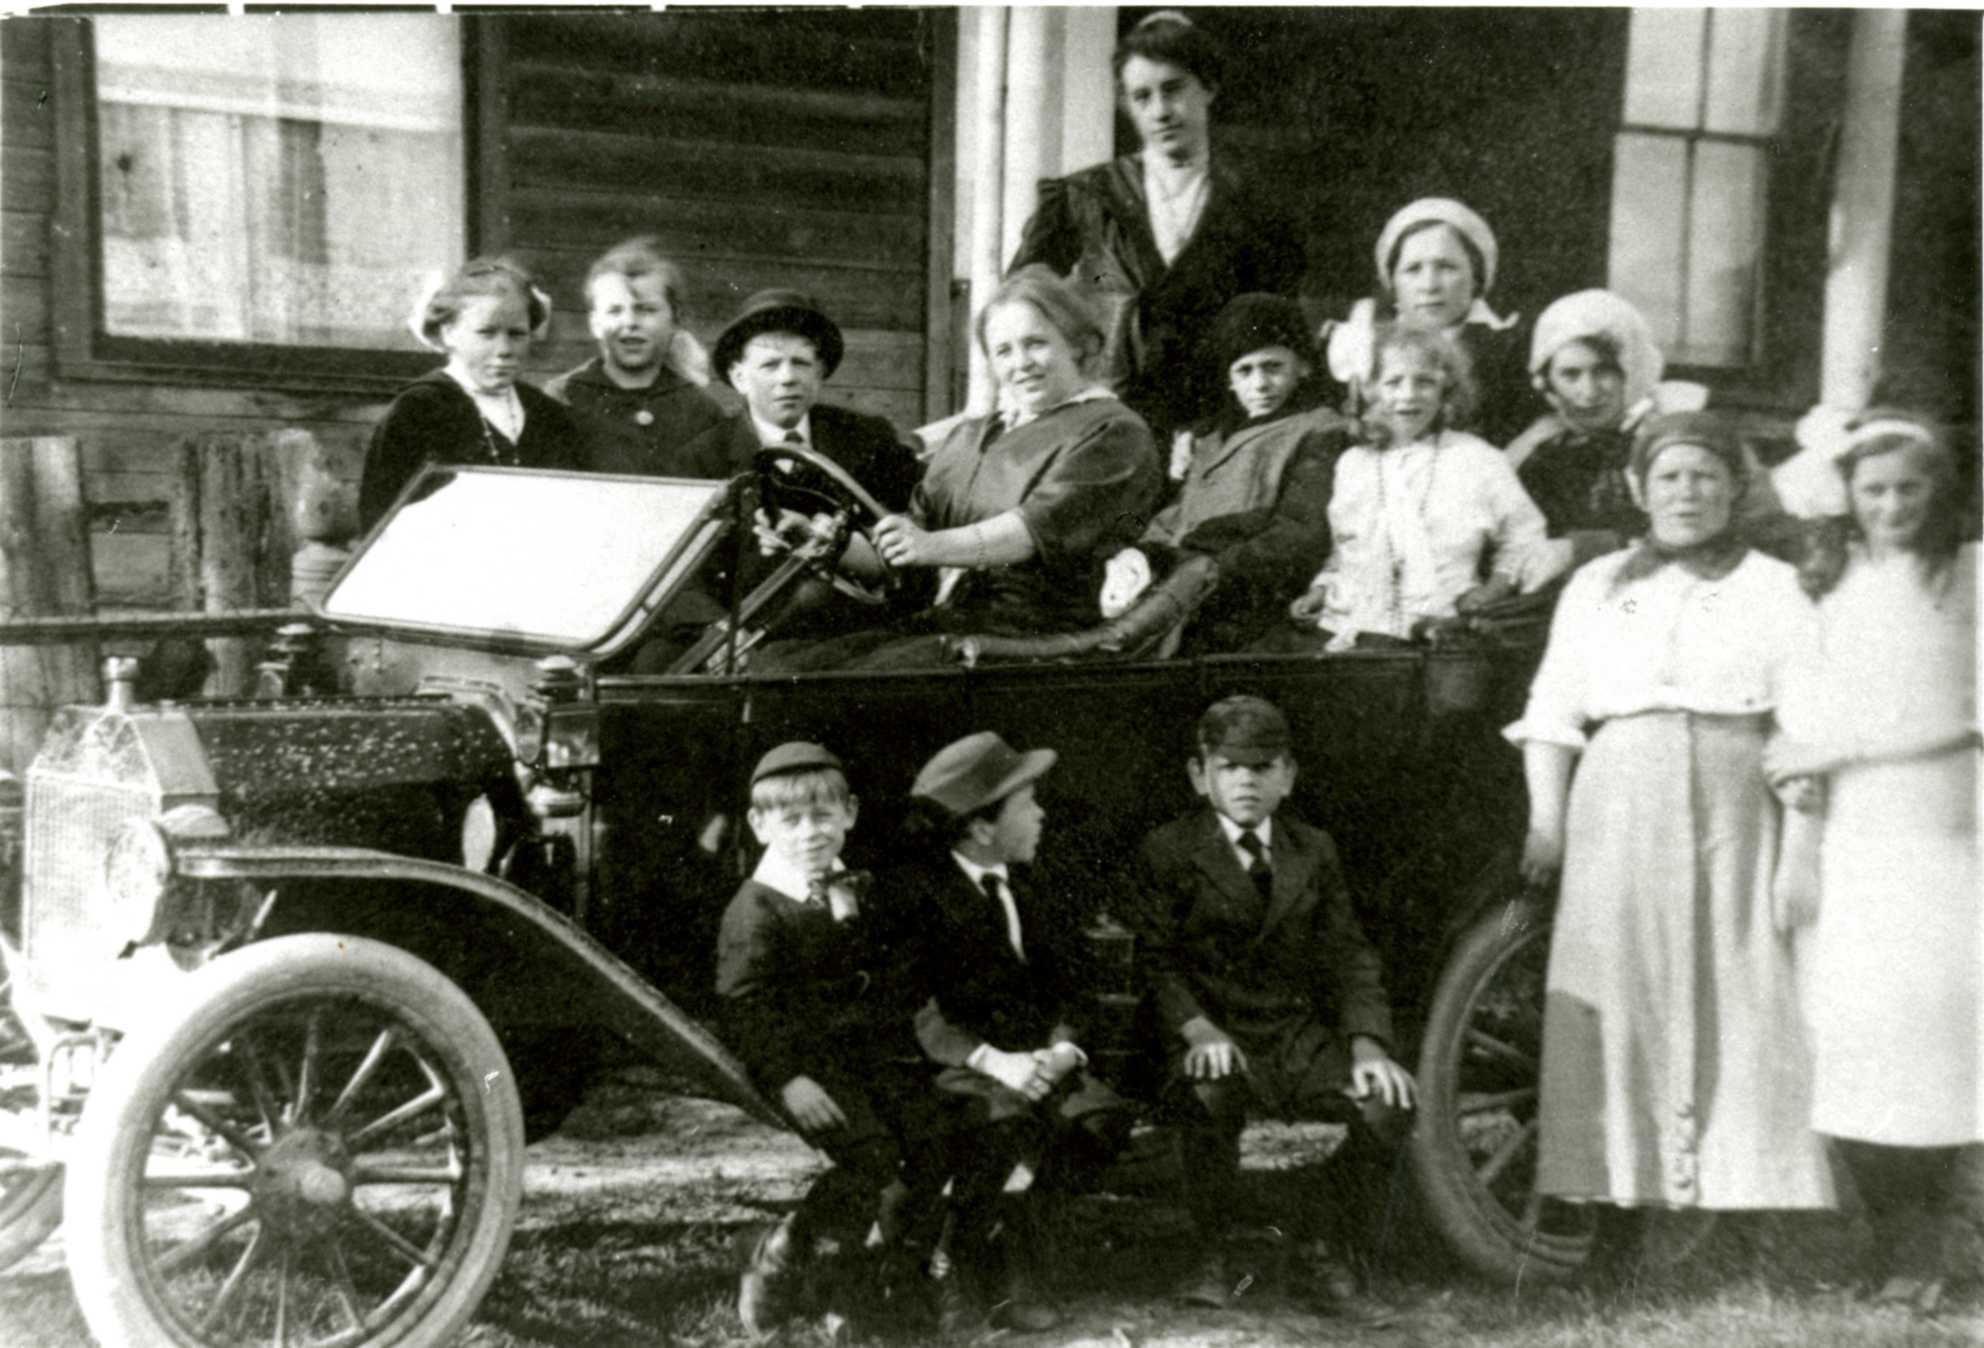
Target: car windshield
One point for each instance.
(554, 558)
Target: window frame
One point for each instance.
(83, 349)
(1783, 374)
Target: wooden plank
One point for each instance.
(487, 76)
(24, 309)
(239, 568)
(873, 51)
(44, 570)
(133, 570)
(23, 43)
(674, 167)
(856, 296)
(940, 208)
(552, 96)
(569, 219)
(37, 389)
(23, 243)
(904, 410)
(27, 115)
(27, 179)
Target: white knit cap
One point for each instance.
(1600, 313)
(1446, 211)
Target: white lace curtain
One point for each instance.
(278, 180)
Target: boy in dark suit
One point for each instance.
(1248, 938)
(1004, 965)
(819, 1008)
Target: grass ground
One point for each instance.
(632, 1212)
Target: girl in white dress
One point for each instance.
(1426, 521)
(1885, 714)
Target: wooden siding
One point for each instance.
(765, 150)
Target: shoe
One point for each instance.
(1208, 1284)
(1336, 1293)
(764, 1293)
(1023, 1315)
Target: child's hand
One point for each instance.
(1542, 856)
(810, 1105)
(1210, 1053)
(1308, 608)
(1491, 591)
(1372, 1069)
(1124, 578)
(789, 532)
(1807, 795)
(1016, 1072)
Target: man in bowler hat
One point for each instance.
(1005, 967)
(1269, 998)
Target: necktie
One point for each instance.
(997, 891)
(1258, 869)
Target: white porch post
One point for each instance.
(1036, 100)
(1862, 225)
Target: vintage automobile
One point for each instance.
(293, 978)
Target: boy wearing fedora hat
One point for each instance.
(1004, 965)
(1247, 938)
(777, 353)
(818, 1008)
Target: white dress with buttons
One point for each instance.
(1675, 1071)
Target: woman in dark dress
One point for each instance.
(474, 409)
(1016, 510)
(1163, 238)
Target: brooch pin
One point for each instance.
(644, 417)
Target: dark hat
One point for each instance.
(794, 756)
(973, 772)
(779, 311)
(1244, 729)
(1251, 322)
(1706, 430)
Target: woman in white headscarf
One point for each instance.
(1436, 262)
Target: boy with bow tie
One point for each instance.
(1248, 938)
(819, 1010)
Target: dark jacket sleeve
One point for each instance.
(1277, 550)
(749, 978)
(1156, 910)
(1355, 974)
(424, 422)
(1050, 237)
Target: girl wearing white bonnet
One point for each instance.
(1437, 260)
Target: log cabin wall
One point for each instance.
(788, 150)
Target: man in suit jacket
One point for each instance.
(1249, 940)
(778, 352)
(1005, 1017)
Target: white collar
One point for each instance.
(775, 872)
(769, 434)
(1263, 830)
(1014, 418)
(977, 873)
(507, 398)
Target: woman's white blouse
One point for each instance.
(1409, 528)
(1671, 641)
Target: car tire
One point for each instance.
(30, 1198)
(1474, 1150)
(320, 1141)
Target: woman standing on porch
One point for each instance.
(1674, 1073)
(1163, 238)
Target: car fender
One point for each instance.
(622, 999)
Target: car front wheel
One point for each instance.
(321, 1144)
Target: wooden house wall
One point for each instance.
(787, 151)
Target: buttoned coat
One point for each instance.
(1094, 228)
(1256, 499)
(1213, 947)
(618, 440)
(981, 991)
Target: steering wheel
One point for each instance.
(832, 488)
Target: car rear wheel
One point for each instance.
(321, 1144)
(1474, 1151)
(30, 1191)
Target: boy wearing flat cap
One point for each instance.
(1004, 964)
(817, 1006)
(1248, 937)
